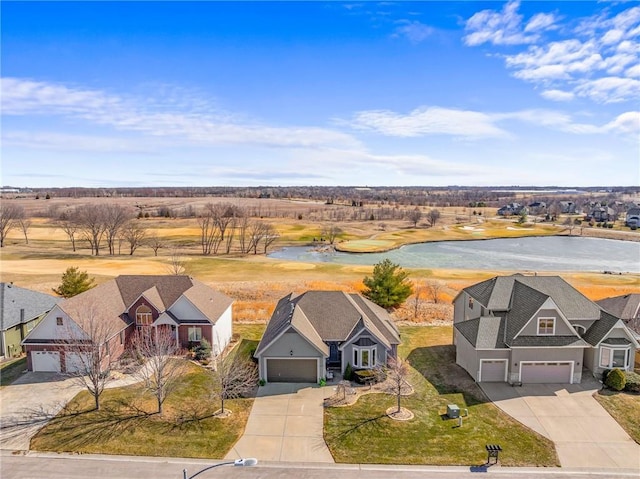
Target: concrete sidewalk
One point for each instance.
(286, 424)
(584, 433)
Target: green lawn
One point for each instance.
(126, 423)
(10, 370)
(363, 434)
(624, 408)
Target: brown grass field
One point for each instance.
(257, 282)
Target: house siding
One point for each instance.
(347, 351)
(546, 354)
(282, 347)
(222, 331)
(139, 302)
(561, 328)
(183, 333)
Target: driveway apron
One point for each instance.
(584, 433)
(286, 424)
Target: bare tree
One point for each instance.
(10, 215)
(570, 224)
(255, 234)
(86, 342)
(210, 237)
(68, 223)
(162, 369)
(115, 217)
(229, 235)
(331, 232)
(396, 372)
(25, 224)
(91, 222)
(417, 299)
(233, 377)
(414, 216)
(177, 264)
(269, 235)
(223, 215)
(134, 234)
(434, 288)
(155, 243)
(433, 217)
(243, 232)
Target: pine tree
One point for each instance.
(388, 287)
(74, 282)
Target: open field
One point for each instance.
(625, 409)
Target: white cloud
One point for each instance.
(558, 95)
(609, 89)
(428, 121)
(627, 123)
(414, 31)
(540, 21)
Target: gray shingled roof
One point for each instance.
(169, 287)
(331, 315)
(549, 341)
(599, 329)
(483, 333)
(624, 307)
(14, 298)
(525, 302)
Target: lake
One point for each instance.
(546, 253)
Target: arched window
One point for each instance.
(579, 329)
(143, 315)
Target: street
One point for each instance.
(56, 466)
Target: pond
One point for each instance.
(546, 253)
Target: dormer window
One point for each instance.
(143, 315)
(470, 303)
(546, 326)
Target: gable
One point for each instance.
(548, 310)
(22, 305)
(49, 331)
(183, 309)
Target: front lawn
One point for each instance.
(11, 370)
(362, 433)
(624, 407)
(126, 423)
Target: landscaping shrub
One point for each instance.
(202, 351)
(363, 375)
(632, 382)
(616, 380)
(348, 373)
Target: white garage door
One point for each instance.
(45, 361)
(75, 362)
(548, 372)
(493, 371)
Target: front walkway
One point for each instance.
(584, 433)
(286, 424)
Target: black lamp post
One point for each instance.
(249, 461)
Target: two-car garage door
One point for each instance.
(547, 372)
(292, 370)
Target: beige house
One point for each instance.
(536, 329)
(314, 332)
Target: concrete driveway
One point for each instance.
(584, 433)
(286, 424)
(28, 403)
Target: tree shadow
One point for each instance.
(437, 364)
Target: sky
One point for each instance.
(105, 94)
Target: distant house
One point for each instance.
(536, 329)
(512, 209)
(601, 213)
(20, 310)
(537, 207)
(318, 330)
(191, 310)
(632, 216)
(625, 307)
(568, 208)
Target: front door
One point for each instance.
(335, 355)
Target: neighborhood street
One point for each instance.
(56, 466)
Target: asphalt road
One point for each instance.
(53, 466)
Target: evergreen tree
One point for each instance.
(388, 287)
(74, 282)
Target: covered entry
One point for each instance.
(292, 370)
(45, 361)
(546, 372)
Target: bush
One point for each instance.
(322, 382)
(616, 380)
(632, 382)
(262, 382)
(348, 372)
(605, 374)
(202, 352)
(362, 376)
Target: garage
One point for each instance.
(74, 362)
(45, 361)
(292, 370)
(546, 372)
(493, 370)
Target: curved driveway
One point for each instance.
(286, 424)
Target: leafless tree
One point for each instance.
(91, 223)
(177, 264)
(10, 215)
(331, 232)
(434, 288)
(87, 340)
(229, 235)
(25, 224)
(433, 217)
(115, 217)
(223, 215)
(255, 234)
(161, 369)
(570, 224)
(134, 234)
(68, 223)
(269, 235)
(155, 243)
(414, 216)
(210, 237)
(243, 233)
(233, 377)
(418, 290)
(397, 372)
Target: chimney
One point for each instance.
(22, 315)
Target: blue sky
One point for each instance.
(320, 93)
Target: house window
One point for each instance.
(195, 334)
(364, 357)
(470, 303)
(59, 321)
(579, 329)
(614, 357)
(143, 315)
(546, 326)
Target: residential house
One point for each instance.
(512, 209)
(536, 329)
(191, 310)
(625, 307)
(568, 208)
(310, 333)
(537, 207)
(601, 213)
(20, 310)
(632, 216)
